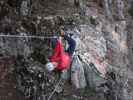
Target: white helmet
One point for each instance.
(50, 67)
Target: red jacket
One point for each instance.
(59, 56)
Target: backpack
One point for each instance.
(93, 77)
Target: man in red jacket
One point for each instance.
(60, 60)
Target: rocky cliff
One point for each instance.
(105, 38)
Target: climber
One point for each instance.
(60, 60)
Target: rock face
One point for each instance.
(105, 36)
(114, 9)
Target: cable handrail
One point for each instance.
(28, 36)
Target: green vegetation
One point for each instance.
(93, 21)
(130, 11)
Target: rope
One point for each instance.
(32, 36)
(56, 86)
